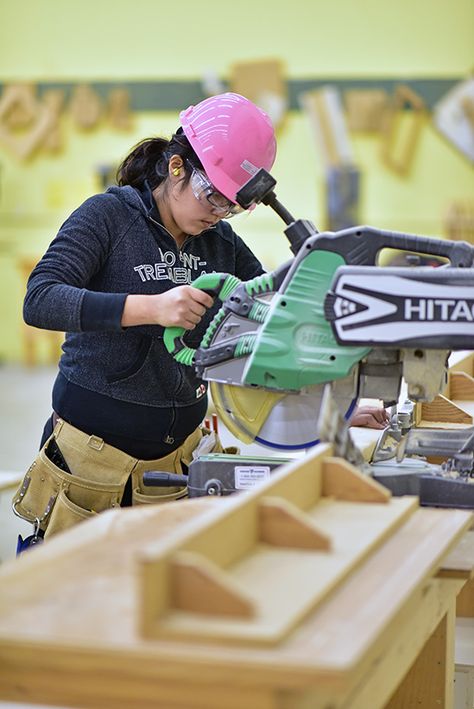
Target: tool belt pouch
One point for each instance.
(217, 447)
(176, 462)
(53, 498)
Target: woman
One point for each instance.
(119, 272)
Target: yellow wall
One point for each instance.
(110, 38)
(104, 40)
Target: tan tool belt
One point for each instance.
(54, 499)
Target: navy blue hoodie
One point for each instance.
(111, 246)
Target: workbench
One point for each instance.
(315, 590)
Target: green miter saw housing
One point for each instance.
(295, 347)
(331, 314)
(288, 344)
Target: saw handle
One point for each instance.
(217, 285)
(156, 478)
(361, 246)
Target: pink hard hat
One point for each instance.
(232, 137)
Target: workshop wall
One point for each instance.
(58, 42)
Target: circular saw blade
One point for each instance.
(279, 420)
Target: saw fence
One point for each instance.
(315, 590)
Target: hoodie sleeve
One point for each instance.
(57, 296)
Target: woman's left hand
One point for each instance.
(370, 416)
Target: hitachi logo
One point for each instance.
(439, 309)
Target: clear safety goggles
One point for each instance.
(203, 189)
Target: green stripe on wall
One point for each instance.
(430, 90)
(175, 95)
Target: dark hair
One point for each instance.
(149, 159)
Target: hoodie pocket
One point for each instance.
(136, 364)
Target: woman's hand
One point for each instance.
(182, 306)
(370, 416)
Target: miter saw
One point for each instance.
(329, 315)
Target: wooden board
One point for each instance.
(70, 609)
(362, 640)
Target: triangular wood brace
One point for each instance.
(199, 586)
(461, 386)
(344, 482)
(442, 410)
(282, 524)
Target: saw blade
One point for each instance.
(279, 420)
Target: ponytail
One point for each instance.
(145, 162)
(148, 160)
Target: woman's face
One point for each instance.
(190, 213)
(195, 205)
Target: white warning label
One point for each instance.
(247, 476)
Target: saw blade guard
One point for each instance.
(278, 420)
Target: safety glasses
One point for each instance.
(205, 190)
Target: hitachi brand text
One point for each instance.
(445, 309)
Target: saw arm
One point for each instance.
(330, 315)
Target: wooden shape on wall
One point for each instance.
(399, 142)
(324, 110)
(18, 106)
(453, 116)
(54, 99)
(263, 82)
(459, 221)
(85, 107)
(23, 143)
(365, 109)
(118, 109)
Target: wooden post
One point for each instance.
(430, 681)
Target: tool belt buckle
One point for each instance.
(95, 442)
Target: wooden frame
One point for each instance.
(398, 153)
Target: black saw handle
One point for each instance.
(360, 246)
(219, 285)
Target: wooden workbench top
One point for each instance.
(72, 606)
